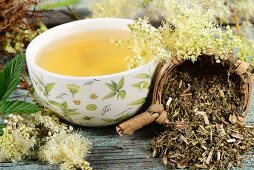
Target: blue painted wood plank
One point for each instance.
(112, 152)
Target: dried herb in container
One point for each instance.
(203, 107)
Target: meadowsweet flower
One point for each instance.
(56, 142)
(145, 43)
(187, 32)
(62, 149)
(17, 141)
(190, 28)
(16, 37)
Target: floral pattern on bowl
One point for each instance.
(96, 101)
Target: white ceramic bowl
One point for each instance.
(89, 101)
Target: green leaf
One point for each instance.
(10, 76)
(91, 107)
(49, 87)
(108, 120)
(66, 117)
(138, 85)
(73, 112)
(111, 94)
(37, 79)
(87, 118)
(120, 84)
(122, 94)
(65, 106)
(60, 105)
(17, 107)
(114, 83)
(73, 86)
(1, 129)
(44, 102)
(139, 101)
(59, 4)
(143, 76)
(122, 118)
(112, 86)
(141, 85)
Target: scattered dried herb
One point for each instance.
(12, 11)
(15, 31)
(206, 128)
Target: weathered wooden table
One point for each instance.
(110, 151)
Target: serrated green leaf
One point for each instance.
(108, 120)
(59, 4)
(87, 118)
(60, 105)
(139, 101)
(17, 107)
(10, 76)
(143, 76)
(120, 84)
(111, 94)
(49, 87)
(111, 86)
(122, 94)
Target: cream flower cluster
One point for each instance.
(17, 37)
(18, 140)
(146, 43)
(188, 32)
(195, 32)
(191, 27)
(61, 148)
(55, 143)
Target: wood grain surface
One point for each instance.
(112, 152)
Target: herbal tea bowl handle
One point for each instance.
(89, 101)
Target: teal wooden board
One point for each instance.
(112, 152)
(250, 115)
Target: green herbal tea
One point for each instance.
(89, 54)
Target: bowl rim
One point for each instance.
(30, 50)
